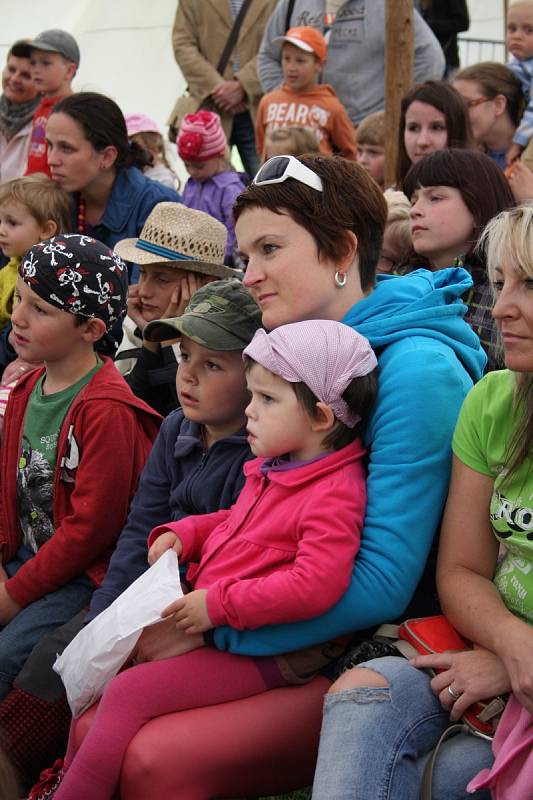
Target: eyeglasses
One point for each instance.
(476, 102)
(278, 168)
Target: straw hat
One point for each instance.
(180, 237)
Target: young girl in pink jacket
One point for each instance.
(284, 552)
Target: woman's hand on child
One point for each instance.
(190, 612)
(164, 640)
(167, 541)
(17, 368)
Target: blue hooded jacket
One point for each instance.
(429, 358)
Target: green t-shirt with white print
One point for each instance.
(37, 461)
(481, 441)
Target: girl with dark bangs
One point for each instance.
(433, 117)
(454, 194)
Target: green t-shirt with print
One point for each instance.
(37, 462)
(481, 441)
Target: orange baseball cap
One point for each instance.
(307, 39)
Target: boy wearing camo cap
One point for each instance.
(195, 466)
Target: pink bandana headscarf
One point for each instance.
(323, 354)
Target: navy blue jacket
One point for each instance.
(132, 198)
(180, 478)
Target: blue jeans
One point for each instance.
(243, 137)
(375, 742)
(19, 637)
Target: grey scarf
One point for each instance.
(14, 116)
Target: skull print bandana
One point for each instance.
(78, 274)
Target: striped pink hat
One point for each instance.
(201, 137)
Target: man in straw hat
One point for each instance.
(178, 251)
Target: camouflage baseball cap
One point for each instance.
(222, 315)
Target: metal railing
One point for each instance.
(472, 51)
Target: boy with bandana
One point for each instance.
(75, 442)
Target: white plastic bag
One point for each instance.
(99, 650)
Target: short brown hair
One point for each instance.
(351, 202)
(44, 199)
(372, 130)
(359, 395)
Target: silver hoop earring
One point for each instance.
(340, 279)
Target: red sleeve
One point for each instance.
(192, 532)
(329, 534)
(112, 449)
(342, 132)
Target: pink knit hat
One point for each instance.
(201, 137)
(140, 123)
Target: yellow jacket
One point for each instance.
(8, 279)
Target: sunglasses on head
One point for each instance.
(278, 168)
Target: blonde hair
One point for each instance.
(512, 3)
(44, 199)
(299, 140)
(153, 143)
(397, 225)
(509, 236)
(372, 130)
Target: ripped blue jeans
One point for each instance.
(375, 742)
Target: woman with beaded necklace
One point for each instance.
(90, 156)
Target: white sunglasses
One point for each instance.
(278, 168)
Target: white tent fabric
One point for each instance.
(126, 48)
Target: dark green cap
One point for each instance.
(222, 315)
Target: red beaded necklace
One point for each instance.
(81, 215)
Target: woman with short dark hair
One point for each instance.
(309, 231)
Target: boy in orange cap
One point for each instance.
(301, 100)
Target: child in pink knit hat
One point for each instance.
(213, 186)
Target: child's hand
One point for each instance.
(134, 306)
(521, 182)
(190, 612)
(167, 541)
(514, 152)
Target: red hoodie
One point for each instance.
(103, 443)
(319, 109)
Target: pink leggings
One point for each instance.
(263, 745)
(201, 678)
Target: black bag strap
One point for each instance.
(290, 9)
(232, 38)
